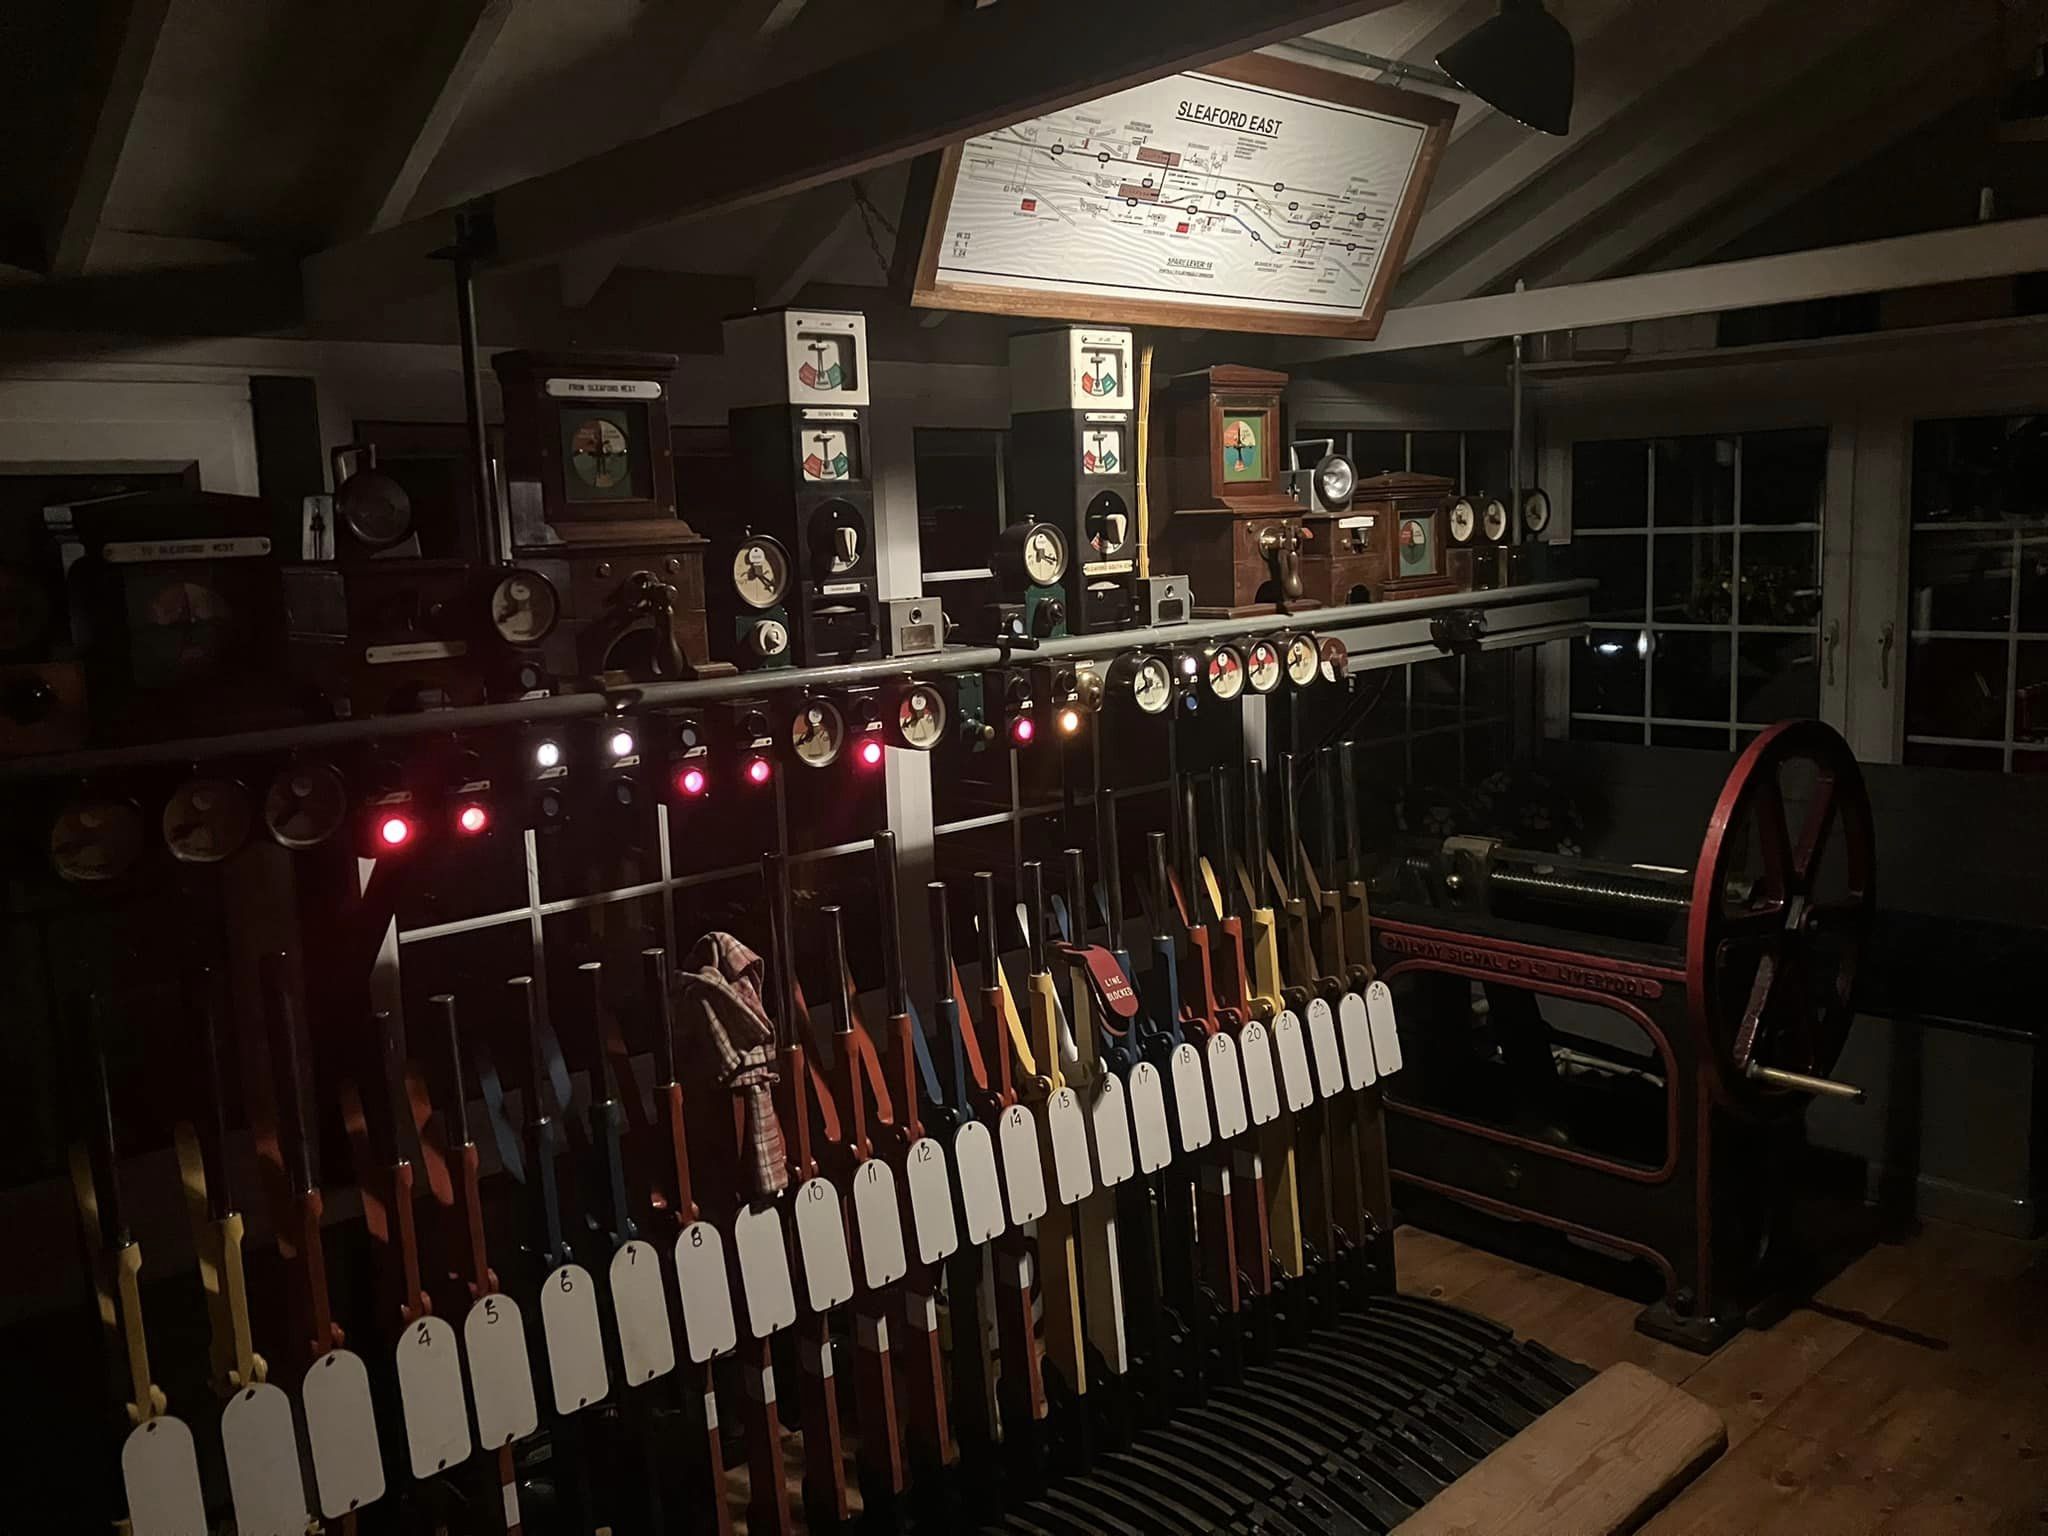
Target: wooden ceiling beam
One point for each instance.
(1798, 142)
(2001, 249)
(437, 81)
(126, 45)
(1670, 123)
(1945, 83)
(1617, 68)
(795, 253)
(726, 56)
(978, 71)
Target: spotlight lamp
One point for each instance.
(1519, 62)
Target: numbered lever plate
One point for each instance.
(568, 1321)
(647, 1349)
(500, 1372)
(430, 1391)
(709, 1329)
(341, 1432)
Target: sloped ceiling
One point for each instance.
(270, 131)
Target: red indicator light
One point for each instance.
(1022, 730)
(394, 831)
(870, 754)
(691, 781)
(759, 770)
(473, 818)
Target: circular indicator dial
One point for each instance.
(1045, 555)
(96, 840)
(524, 607)
(760, 573)
(1334, 657)
(1536, 511)
(1226, 672)
(376, 509)
(598, 453)
(205, 820)
(818, 733)
(1262, 666)
(1336, 482)
(305, 805)
(1301, 660)
(1493, 521)
(921, 718)
(1463, 520)
(1152, 685)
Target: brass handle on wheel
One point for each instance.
(1801, 1082)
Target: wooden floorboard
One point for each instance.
(1910, 1395)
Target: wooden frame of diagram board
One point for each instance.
(1278, 81)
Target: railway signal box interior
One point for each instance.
(916, 852)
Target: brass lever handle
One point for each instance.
(1801, 1082)
(1834, 639)
(1885, 638)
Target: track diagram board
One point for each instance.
(1257, 194)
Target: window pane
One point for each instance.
(1434, 453)
(1784, 475)
(1979, 468)
(1780, 578)
(1714, 738)
(1693, 575)
(1490, 685)
(1435, 760)
(1376, 453)
(959, 496)
(1921, 754)
(1689, 676)
(1962, 578)
(2030, 709)
(1956, 688)
(2034, 583)
(1607, 673)
(1434, 698)
(1779, 678)
(1695, 480)
(1623, 732)
(1486, 466)
(1618, 565)
(1610, 484)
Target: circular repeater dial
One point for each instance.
(1463, 520)
(1494, 521)
(760, 573)
(818, 733)
(1302, 660)
(1152, 685)
(598, 453)
(524, 608)
(1262, 666)
(1045, 555)
(921, 718)
(1226, 672)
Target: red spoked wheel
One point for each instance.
(1781, 909)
